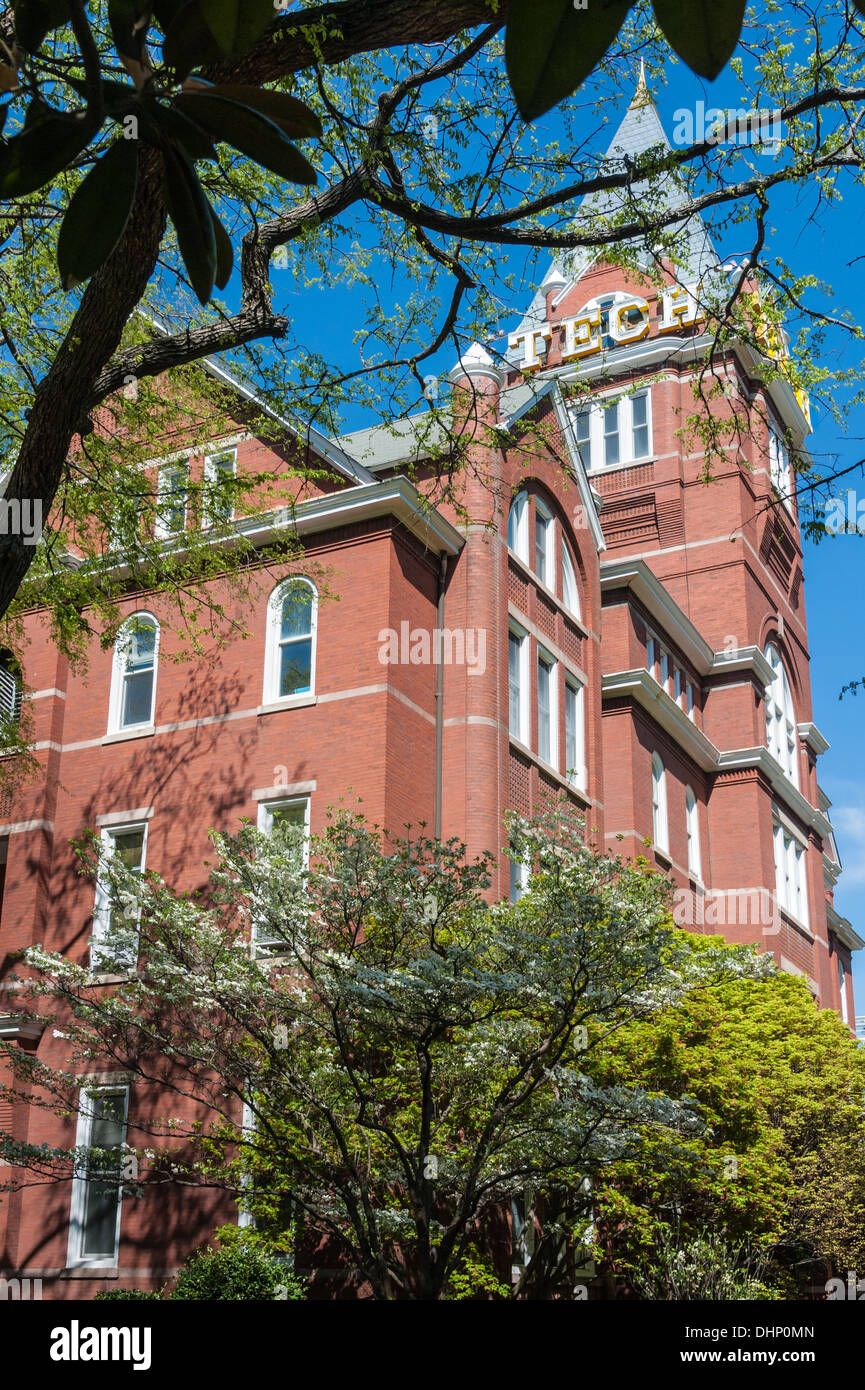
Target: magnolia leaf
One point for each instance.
(702, 32)
(40, 152)
(550, 48)
(250, 132)
(175, 126)
(192, 215)
(224, 253)
(236, 24)
(188, 41)
(98, 213)
(292, 116)
(129, 20)
(34, 20)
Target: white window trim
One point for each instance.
(518, 879)
(118, 671)
(660, 818)
(102, 904)
(791, 868)
(692, 825)
(520, 505)
(780, 466)
(552, 666)
(74, 1258)
(597, 414)
(782, 736)
(544, 515)
(210, 476)
(265, 825)
(271, 696)
(161, 530)
(577, 776)
(569, 572)
(523, 735)
(842, 985)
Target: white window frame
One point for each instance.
(781, 730)
(519, 880)
(162, 530)
(842, 984)
(660, 820)
(548, 661)
(101, 929)
(570, 587)
(118, 675)
(265, 825)
(651, 654)
(692, 826)
(791, 869)
(75, 1259)
(780, 469)
(211, 474)
(689, 700)
(273, 645)
(578, 774)
(544, 522)
(518, 526)
(597, 415)
(522, 735)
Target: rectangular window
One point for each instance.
(272, 815)
(842, 985)
(575, 758)
(779, 467)
(219, 473)
(651, 655)
(677, 686)
(665, 667)
(790, 873)
(640, 425)
(546, 708)
(615, 433)
(114, 943)
(543, 545)
(517, 644)
(611, 435)
(519, 880)
(689, 700)
(139, 671)
(171, 503)
(94, 1226)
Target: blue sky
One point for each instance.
(825, 243)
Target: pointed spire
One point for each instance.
(641, 96)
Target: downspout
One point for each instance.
(440, 692)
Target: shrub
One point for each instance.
(238, 1273)
(137, 1294)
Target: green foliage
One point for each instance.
(180, 124)
(552, 46)
(705, 1268)
(412, 1059)
(781, 1155)
(238, 1273)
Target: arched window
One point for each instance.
(290, 657)
(781, 717)
(518, 526)
(692, 822)
(660, 833)
(10, 688)
(133, 679)
(570, 592)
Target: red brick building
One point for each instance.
(609, 625)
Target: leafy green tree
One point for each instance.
(412, 1059)
(780, 1160)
